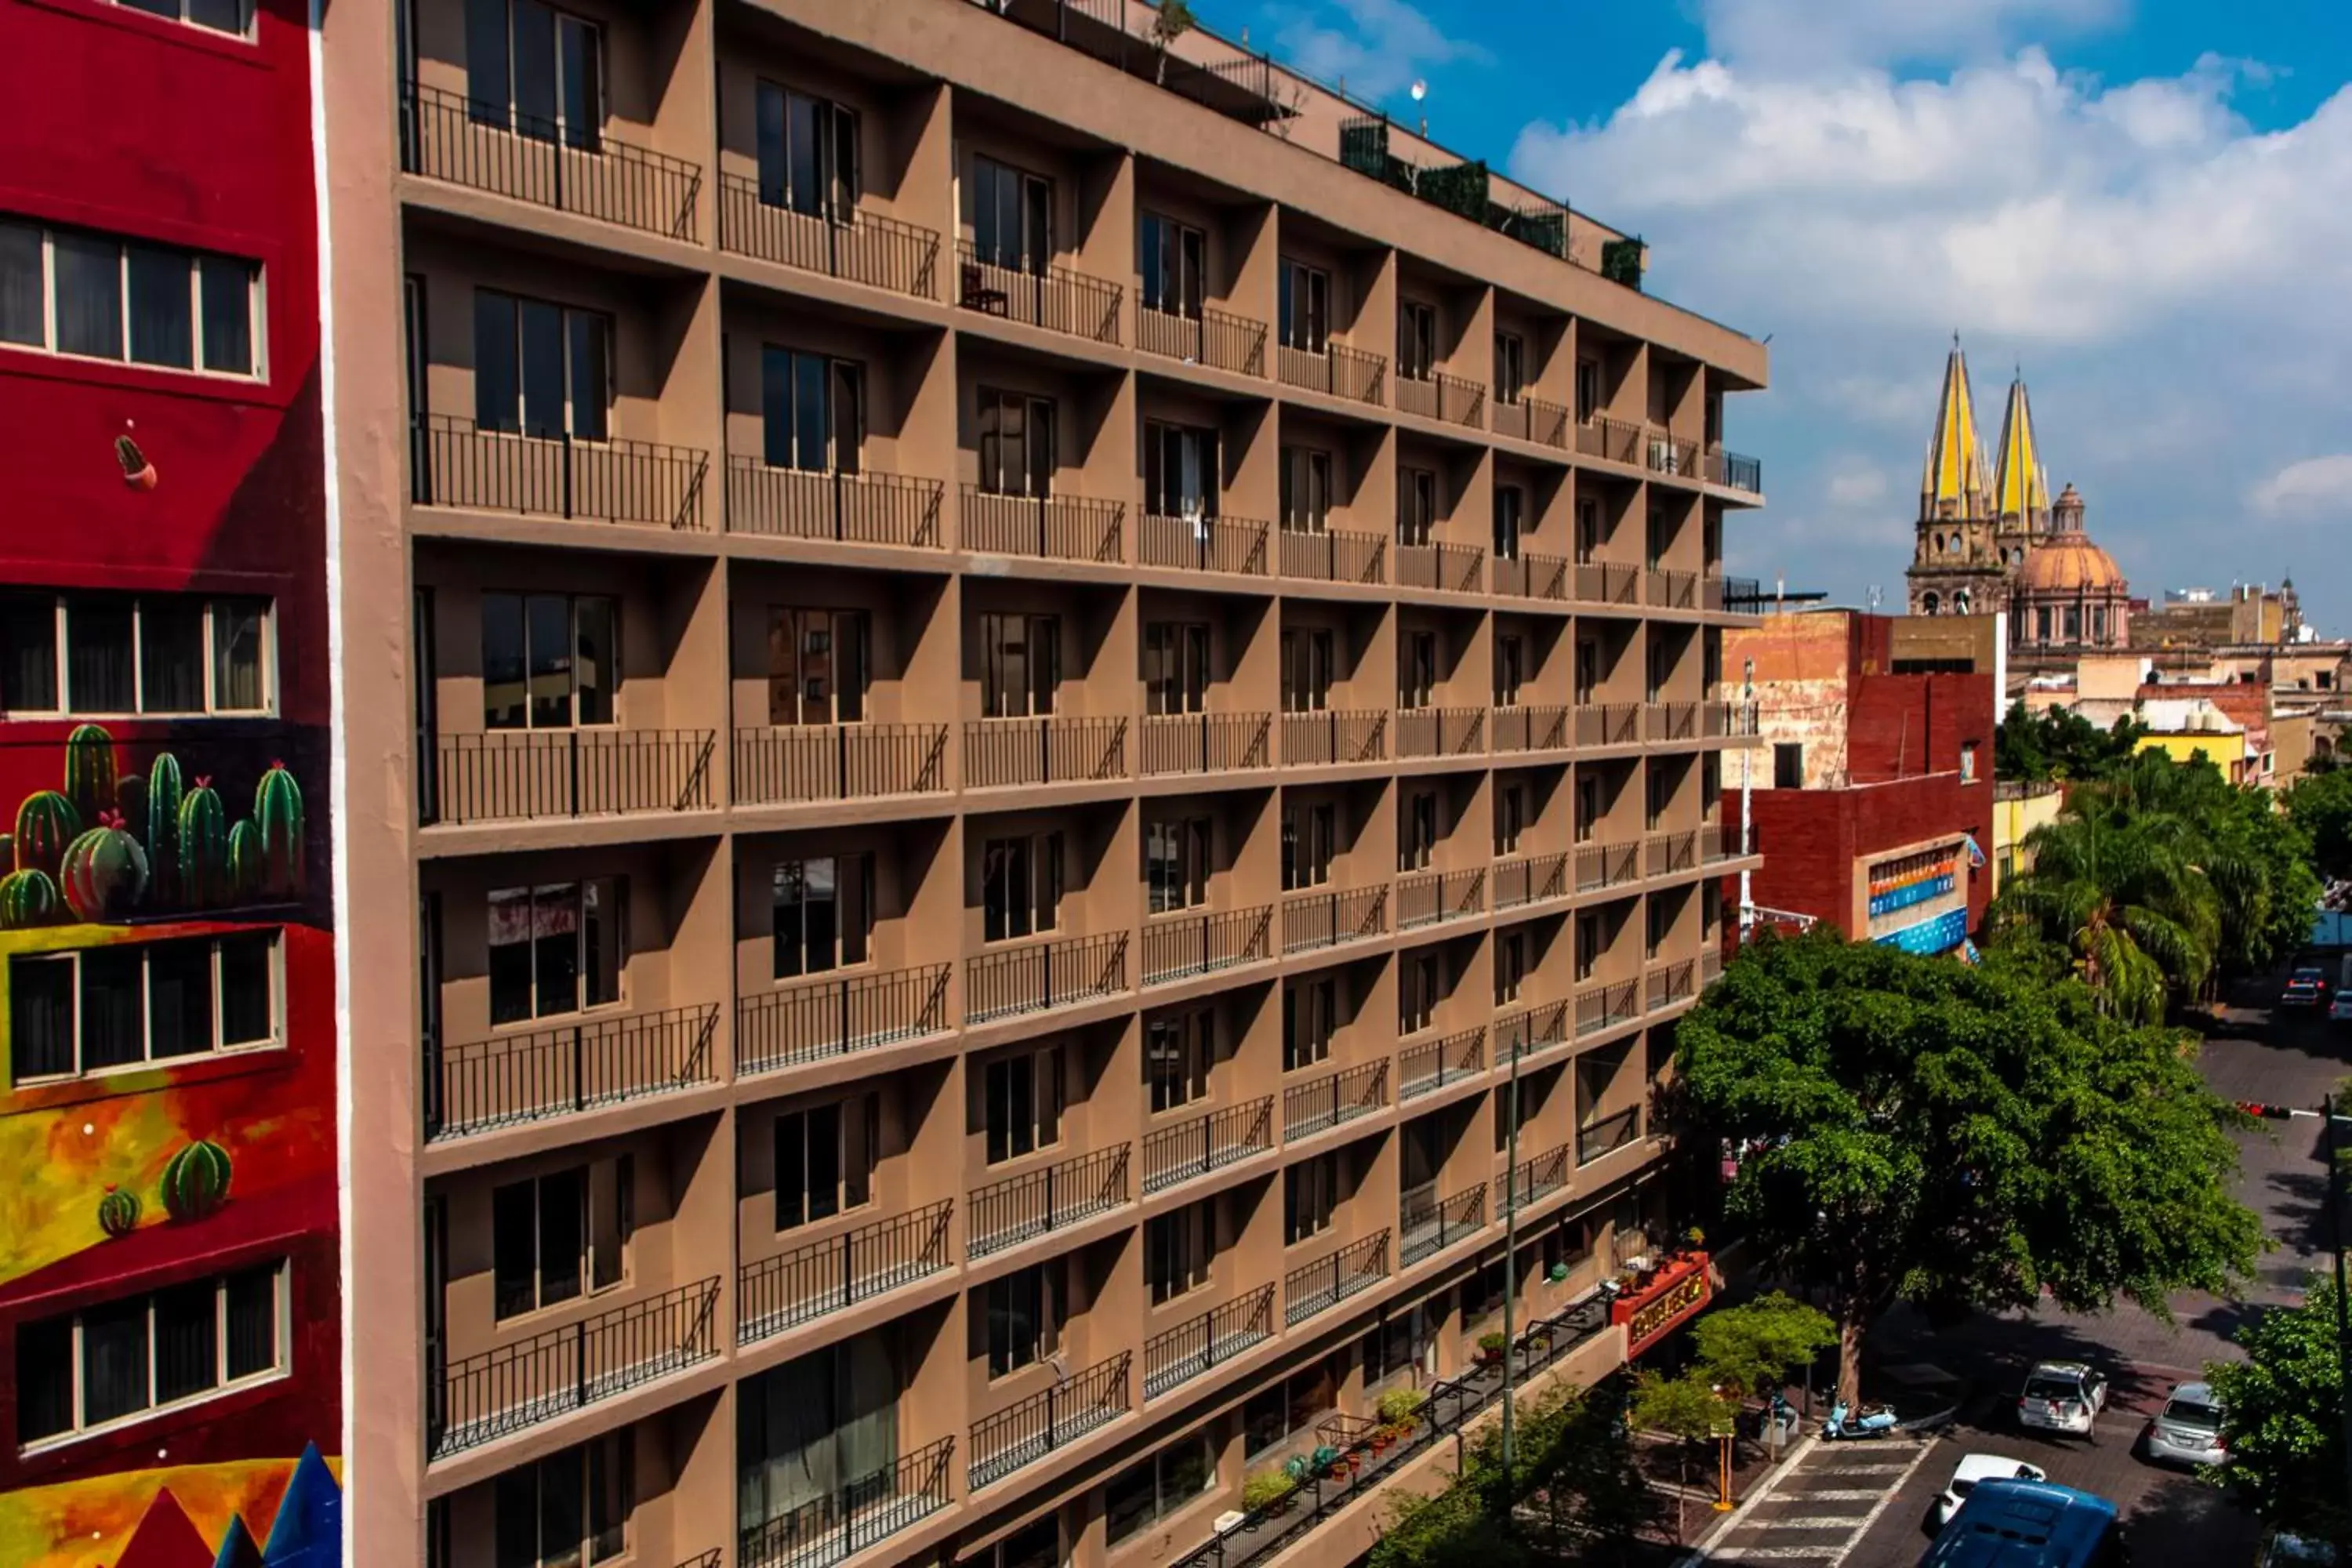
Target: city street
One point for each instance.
(2170, 1518)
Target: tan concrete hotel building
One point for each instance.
(988, 683)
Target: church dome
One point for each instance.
(2069, 564)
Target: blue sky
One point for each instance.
(2146, 203)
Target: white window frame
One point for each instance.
(255, 316)
(242, 32)
(147, 1062)
(61, 602)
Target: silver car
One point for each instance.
(2061, 1396)
(2187, 1430)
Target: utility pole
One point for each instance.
(2343, 1314)
(1511, 1263)
(1746, 807)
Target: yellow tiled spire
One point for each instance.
(1953, 484)
(2020, 488)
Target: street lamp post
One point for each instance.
(2343, 1313)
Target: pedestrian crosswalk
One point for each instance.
(1813, 1512)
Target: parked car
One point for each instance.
(2306, 987)
(2286, 1550)
(1974, 1467)
(2061, 1396)
(2187, 1430)
(2339, 1008)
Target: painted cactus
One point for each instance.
(46, 824)
(118, 1211)
(164, 795)
(28, 898)
(89, 771)
(245, 862)
(202, 845)
(278, 812)
(105, 872)
(195, 1181)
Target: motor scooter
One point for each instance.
(1870, 1421)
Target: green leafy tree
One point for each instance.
(2282, 1418)
(2321, 805)
(1755, 1346)
(1957, 1136)
(2059, 745)
(2122, 895)
(1685, 1407)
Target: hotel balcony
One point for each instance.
(1531, 1181)
(1436, 897)
(1530, 880)
(848, 1519)
(1202, 1146)
(1009, 753)
(863, 508)
(611, 479)
(1427, 1225)
(811, 1282)
(1611, 441)
(589, 1062)
(1605, 1006)
(1319, 1285)
(838, 1013)
(1448, 399)
(1333, 1099)
(1202, 335)
(1670, 854)
(1606, 1135)
(1056, 299)
(1333, 555)
(1529, 1032)
(800, 765)
(1320, 918)
(1199, 1344)
(1527, 729)
(1328, 737)
(1602, 866)
(1427, 1067)
(1237, 545)
(1205, 743)
(1609, 724)
(1445, 568)
(862, 247)
(1335, 370)
(1028, 1429)
(1040, 1202)
(1606, 583)
(1040, 976)
(1043, 527)
(1440, 732)
(1180, 946)
(1530, 576)
(508, 153)
(1668, 983)
(1532, 419)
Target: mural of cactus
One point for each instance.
(130, 801)
(89, 771)
(278, 809)
(46, 824)
(164, 795)
(195, 1181)
(244, 867)
(118, 1211)
(28, 898)
(203, 846)
(105, 871)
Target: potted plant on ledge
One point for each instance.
(1268, 1492)
(1490, 1347)
(1400, 1410)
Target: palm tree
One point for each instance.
(2123, 893)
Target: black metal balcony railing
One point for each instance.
(1048, 527)
(811, 1020)
(1432, 897)
(557, 1370)
(1026, 1431)
(1428, 1225)
(1548, 424)
(1609, 724)
(1319, 1285)
(1530, 880)
(1195, 1148)
(1671, 983)
(1607, 583)
(1177, 947)
(1441, 731)
(851, 509)
(1737, 472)
(1607, 1134)
(1531, 1031)
(859, 247)
(1736, 596)
(1341, 371)
(1310, 1108)
(1664, 453)
(1607, 864)
(1446, 398)
(795, 765)
(1673, 590)
(1042, 976)
(1329, 736)
(1333, 555)
(537, 775)
(456, 463)
(1038, 1202)
(1221, 544)
(1424, 1068)
(1204, 743)
(1320, 919)
(1612, 440)
(1445, 568)
(1529, 728)
(840, 1524)
(1194, 1346)
(489, 146)
(567, 1068)
(1671, 721)
(1054, 297)
(1531, 1179)
(1727, 720)
(1000, 753)
(1204, 336)
(1532, 576)
(808, 1282)
(1665, 854)
(1600, 1007)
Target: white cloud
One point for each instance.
(1798, 36)
(1857, 483)
(1378, 47)
(2314, 487)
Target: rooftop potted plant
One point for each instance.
(1268, 1492)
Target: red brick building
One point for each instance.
(1872, 796)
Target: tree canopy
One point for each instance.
(1957, 1136)
(2059, 745)
(2283, 1417)
(1755, 1345)
(2320, 804)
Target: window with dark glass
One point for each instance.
(1022, 1102)
(1016, 444)
(823, 909)
(1588, 389)
(1788, 765)
(1309, 1189)
(1416, 341)
(1510, 966)
(1510, 520)
(1180, 477)
(1588, 530)
(812, 411)
(79, 1012)
(232, 17)
(1021, 664)
(1309, 840)
(1588, 806)
(1022, 1316)
(1304, 307)
(826, 1157)
(557, 948)
(1176, 864)
(1175, 667)
(550, 661)
(1021, 886)
(1177, 1051)
(808, 154)
(1588, 945)
(1416, 506)
(93, 296)
(1416, 830)
(812, 1434)
(1510, 367)
(1037, 1544)
(1418, 669)
(556, 1237)
(1011, 217)
(1510, 669)
(1417, 987)
(97, 654)
(1310, 1013)
(1173, 259)
(1588, 669)
(1510, 817)
(1306, 484)
(1307, 669)
(541, 369)
(820, 664)
(569, 1508)
(123, 1359)
(535, 70)
(1176, 1248)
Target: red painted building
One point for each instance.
(1871, 798)
(169, 1291)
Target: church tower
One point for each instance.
(1957, 567)
(2021, 487)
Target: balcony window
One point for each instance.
(1180, 473)
(1510, 669)
(824, 907)
(1416, 506)
(813, 1429)
(1588, 389)
(569, 1508)
(1310, 1014)
(826, 1157)
(106, 1365)
(1656, 928)
(1588, 806)
(1407, 1338)
(1021, 664)
(92, 295)
(93, 655)
(1305, 499)
(125, 1006)
(1416, 341)
(1587, 946)
(808, 154)
(1417, 672)
(1510, 818)
(1176, 1248)
(1174, 260)
(1309, 1189)
(550, 661)
(1037, 1544)
(1021, 886)
(558, 947)
(1418, 981)
(1659, 788)
(1153, 1489)
(535, 70)
(1175, 667)
(1023, 1314)
(1011, 216)
(812, 411)
(1016, 444)
(1022, 1102)
(554, 1237)
(1510, 966)
(820, 663)
(1307, 840)
(1510, 521)
(1589, 537)
(1308, 668)
(1510, 367)
(1305, 307)
(1417, 833)
(1176, 864)
(540, 369)
(1177, 1051)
